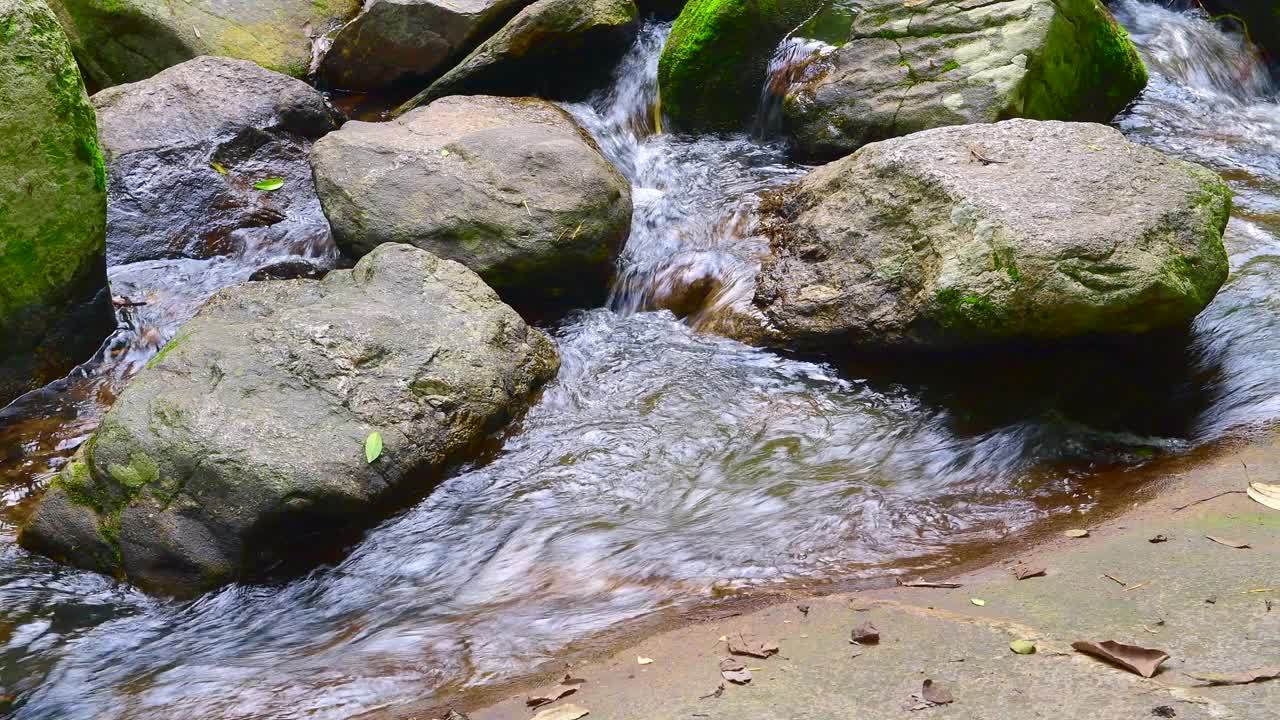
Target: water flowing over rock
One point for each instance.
(550, 48)
(1261, 21)
(54, 306)
(397, 42)
(512, 188)
(715, 59)
(120, 41)
(912, 66)
(245, 440)
(978, 234)
(186, 148)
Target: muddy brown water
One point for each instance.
(666, 469)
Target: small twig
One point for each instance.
(1211, 497)
(1116, 579)
(1134, 587)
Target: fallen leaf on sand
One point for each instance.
(1268, 495)
(1023, 647)
(642, 660)
(1022, 573)
(741, 644)
(546, 696)
(927, 584)
(1077, 533)
(865, 634)
(568, 711)
(1143, 661)
(935, 694)
(1228, 542)
(734, 671)
(978, 601)
(1158, 539)
(571, 680)
(1239, 678)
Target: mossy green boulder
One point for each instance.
(119, 41)
(1020, 231)
(242, 444)
(911, 66)
(54, 307)
(713, 66)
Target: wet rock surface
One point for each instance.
(244, 442)
(912, 66)
(397, 42)
(129, 40)
(972, 235)
(54, 306)
(186, 148)
(550, 48)
(512, 188)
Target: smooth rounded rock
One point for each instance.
(512, 188)
(242, 445)
(1019, 231)
(908, 67)
(54, 306)
(185, 150)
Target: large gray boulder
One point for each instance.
(185, 149)
(243, 444)
(119, 41)
(399, 42)
(550, 48)
(911, 66)
(980, 234)
(54, 305)
(512, 188)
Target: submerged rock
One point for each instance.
(397, 42)
(714, 64)
(54, 305)
(979, 234)
(912, 66)
(547, 49)
(244, 442)
(510, 187)
(185, 149)
(120, 41)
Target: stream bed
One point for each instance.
(666, 467)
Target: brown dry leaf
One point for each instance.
(1239, 678)
(927, 584)
(865, 634)
(1228, 542)
(935, 694)
(1022, 573)
(546, 696)
(741, 644)
(1143, 661)
(1158, 539)
(734, 671)
(571, 680)
(568, 711)
(1265, 494)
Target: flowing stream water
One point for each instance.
(666, 467)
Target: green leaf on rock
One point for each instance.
(978, 601)
(270, 184)
(373, 447)
(1023, 647)
(218, 168)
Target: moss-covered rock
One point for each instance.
(553, 48)
(54, 308)
(713, 66)
(243, 444)
(909, 67)
(119, 41)
(1017, 231)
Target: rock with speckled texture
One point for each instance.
(243, 442)
(979, 234)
